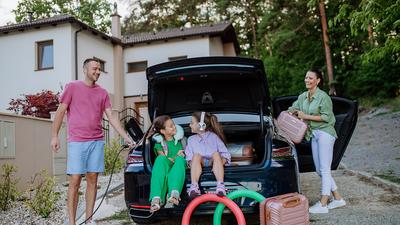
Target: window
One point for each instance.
(177, 58)
(102, 64)
(45, 57)
(137, 66)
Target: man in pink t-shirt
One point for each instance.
(85, 103)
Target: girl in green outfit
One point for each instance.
(169, 167)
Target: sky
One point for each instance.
(7, 5)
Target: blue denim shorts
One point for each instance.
(84, 157)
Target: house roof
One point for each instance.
(54, 21)
(224, 29)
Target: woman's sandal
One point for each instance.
(174, 198)
(155, 205)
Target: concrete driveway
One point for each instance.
(368, 203)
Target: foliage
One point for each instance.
(286, 35)
(383, 18)
(156, 15)
(8, 186)
(95, 13)
(373, 57)
(42, 196)
(153, 15)
(110, 152)
(38, 105)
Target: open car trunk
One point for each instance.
(219, 85)
(244, 142)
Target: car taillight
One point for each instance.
(140, 206)
(135, 158)
(281, 152)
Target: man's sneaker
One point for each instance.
(336, 203)
(220, 191)
(318, 208)
(194, 191)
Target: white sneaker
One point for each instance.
(318, 208)
(91, 223)
(336, 203)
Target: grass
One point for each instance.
(121, 216)
(392, 103)
(389, 175)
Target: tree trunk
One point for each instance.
(254, 21)
(370, 35)
(329, 66)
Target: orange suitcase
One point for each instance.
(288, 209)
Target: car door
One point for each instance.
(345, 111)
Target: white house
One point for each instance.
(48, 53)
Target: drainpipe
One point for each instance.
(76, 53)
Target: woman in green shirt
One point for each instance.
(315, 107)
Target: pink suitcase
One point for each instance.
(291, 126)
(288, 209)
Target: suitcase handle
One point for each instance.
(291, 202)
(289, 195)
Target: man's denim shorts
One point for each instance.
(84, 157)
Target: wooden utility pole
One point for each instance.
(332, 90)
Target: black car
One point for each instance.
(236, 90)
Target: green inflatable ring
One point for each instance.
(233, 195)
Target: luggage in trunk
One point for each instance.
(241, 153)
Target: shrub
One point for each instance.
(110, 152)
(8, 186)
(38, 105)
(42, 196)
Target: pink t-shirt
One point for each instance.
(86, 106)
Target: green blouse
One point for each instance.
(172, 148)
(320, 105)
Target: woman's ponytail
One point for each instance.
(216, 127)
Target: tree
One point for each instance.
(95, 13)
(155, 15)
(382, 18)
(246, 16)
(374, 55)
(287, 36)
(325, 36)
(37, 105)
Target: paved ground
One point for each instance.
(367, 203)
(375, 144)
(374, 148)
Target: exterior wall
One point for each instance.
(90, 46)
(32, 149)
(229, 49)
(216, 46)
(18, 59)
(158, 52)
